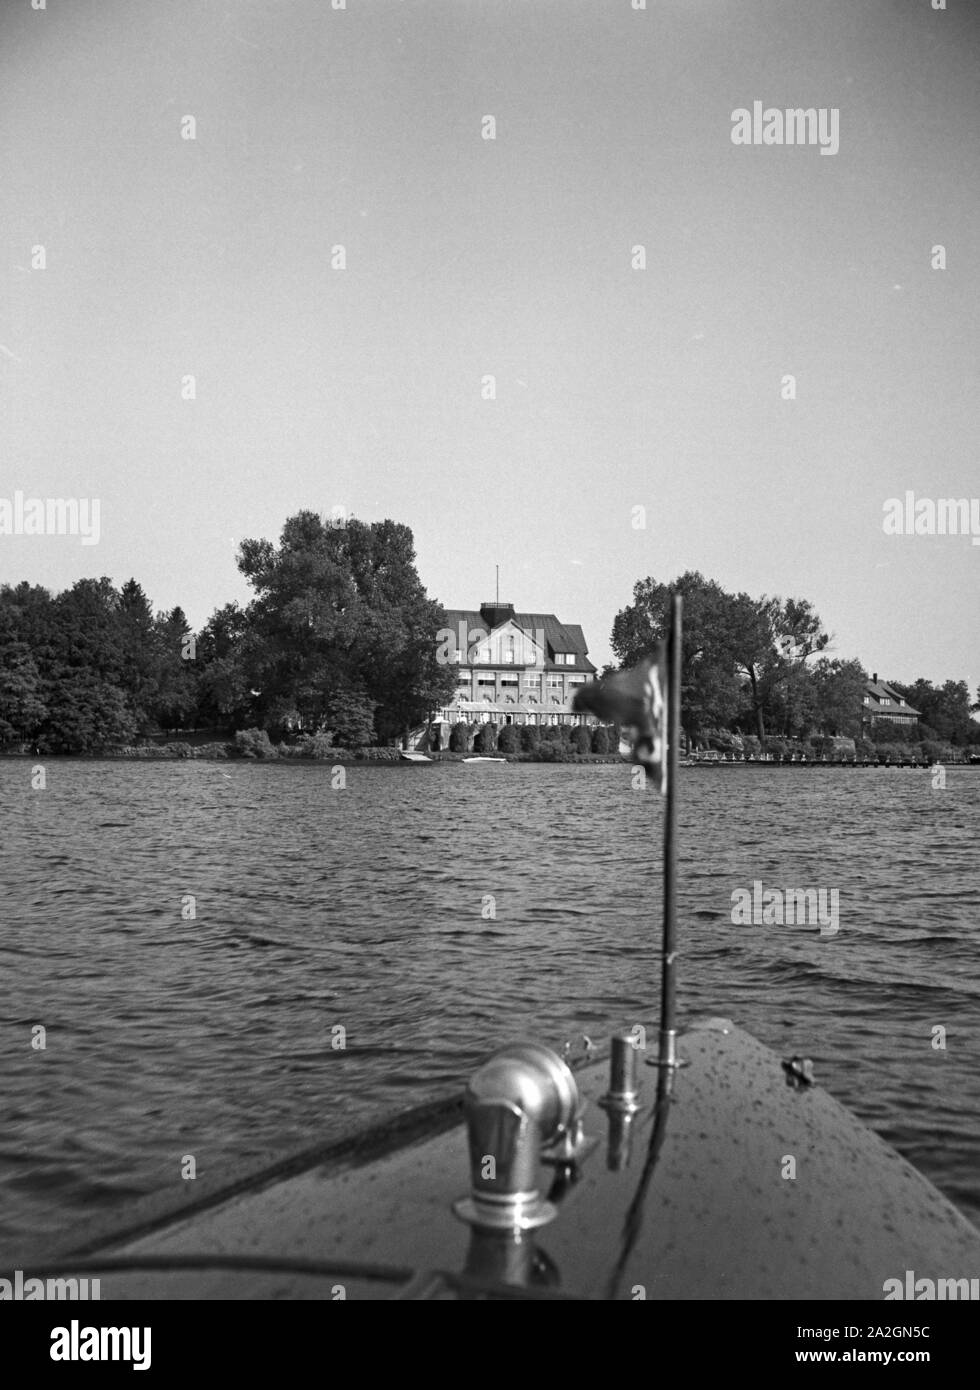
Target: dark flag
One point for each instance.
(636, 700)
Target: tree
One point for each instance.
(486, 739)
(459, 738)
(600, 740)
(254, 743)
(752, 636)
(945, 709)
(799, 635)
(223, 695)
(83, 672)
(771, 641)
(85, 631)
(85, 714)
(530, 738)
(510, 739)
(351, 718)
(139, 671)
(581, 739)
(176, 694)
(22, 710)
(743, 660)
(29, 610)
(838, 690)
(791, 705)
(340, 614)
(397, 654)
(709, 685)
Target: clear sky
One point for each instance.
(615, 388)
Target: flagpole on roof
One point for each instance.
(668, 1033)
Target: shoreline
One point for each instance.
(392, 757)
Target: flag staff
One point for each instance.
(668, 1033)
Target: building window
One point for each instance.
(555, 682)
(534, 682)
(885, 700)
(576, 680)
(867, 699)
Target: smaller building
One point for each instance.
(882, 701)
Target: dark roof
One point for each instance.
(558, 637)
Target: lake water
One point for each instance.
(365, 908)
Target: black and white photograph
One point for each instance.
(489, 671)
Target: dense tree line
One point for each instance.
(89, 668)
(339, 641)
(339, 637)
(758, 666)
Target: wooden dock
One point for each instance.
(820, 763)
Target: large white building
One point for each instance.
(514, 668)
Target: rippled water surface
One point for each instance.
(364, 908)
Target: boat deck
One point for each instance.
(694, 1202)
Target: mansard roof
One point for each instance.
(557, 636)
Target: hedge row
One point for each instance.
(515, 739)
(144, 751)
(529, 743)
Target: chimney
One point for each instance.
(493, 614)
(874, 678)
